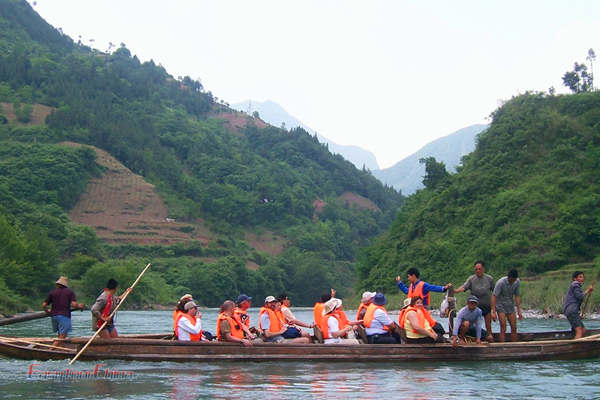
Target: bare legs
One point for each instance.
(512, 320)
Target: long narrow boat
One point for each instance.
(531, 346)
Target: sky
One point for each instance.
(387, 75)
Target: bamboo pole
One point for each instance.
(14, 340)
(25, 317)
(109, 317)
(586, 302)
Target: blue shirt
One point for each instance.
(380, 319)
(426, 289)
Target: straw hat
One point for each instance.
(63, 280)
(331, 305)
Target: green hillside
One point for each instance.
(167, 131)
(528, 197)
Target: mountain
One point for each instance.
(407, 175)
(527, 198)
(276, 115)
(107, 163)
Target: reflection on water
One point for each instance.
(276, 380)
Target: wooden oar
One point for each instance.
(14, 340)
(25, 317)
(586, 302)
(109, 317)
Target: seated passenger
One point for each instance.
(379, 326)
(240, 314)
(418, 323)
(179, 310)
(469, 321)
(289, 318)
(367, 298)
(334, 326)
(189, 323)
(271, 323)
(318, 308)
(228, 329)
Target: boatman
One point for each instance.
(62, 299)
(468, 322)
(481, 286)
(419, 288)
(105, 304)
(503, 306)
(572, 303)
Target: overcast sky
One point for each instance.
(389, 76)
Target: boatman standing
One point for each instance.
(572, 303)
(503, 306)
(481, 286)
(104, 306)
(418, 288)
(62, 299)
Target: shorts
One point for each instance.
(485, 309)
(472, 331)
(61, 324)
(574, 320)
(275, 339)
(109, 328)
(505, 308)
(292, 333)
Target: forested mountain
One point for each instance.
(528, 197)
(407, 174)
(276, 115)
(238, 182)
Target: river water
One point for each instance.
(301, 380)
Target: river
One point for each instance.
(302, 380)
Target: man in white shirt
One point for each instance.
(189, 326)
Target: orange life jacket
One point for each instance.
(176, 320)
(342, 318)
(275, 324)
(361, 307)
(324, 326)
(417, 290)
(193, 337)
(370, 315)
(318, 312)
(235, 327)
(106, 310)
(241, 316)
(422, 315)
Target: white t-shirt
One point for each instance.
(287, 313)
(333, 326)
(185, 328)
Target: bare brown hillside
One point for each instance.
(123, 208)
(38, 115)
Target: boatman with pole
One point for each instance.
(62, 299)
(572, 303)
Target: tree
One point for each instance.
(591, 57)
(578, 80)
(435, 172)
(255, 114)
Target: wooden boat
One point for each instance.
(531, 346)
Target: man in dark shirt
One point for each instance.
(572, 303)
(62, 299)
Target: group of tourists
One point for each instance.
(277, 323)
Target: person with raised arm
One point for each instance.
(105, 304)
(419, 288)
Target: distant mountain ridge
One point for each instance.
(275, 115)
(407, 175)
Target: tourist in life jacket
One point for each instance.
(335, 326)
(378, 325)
(189, 323)
(418, 323)
(289, 318)
(105, 304)
(271, 322)
(318, 308)
(240, 314)
(469, 322)
(367, 298)
(228, 329)
(180, 310)
(418, 288)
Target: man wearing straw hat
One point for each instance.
(62, 299)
